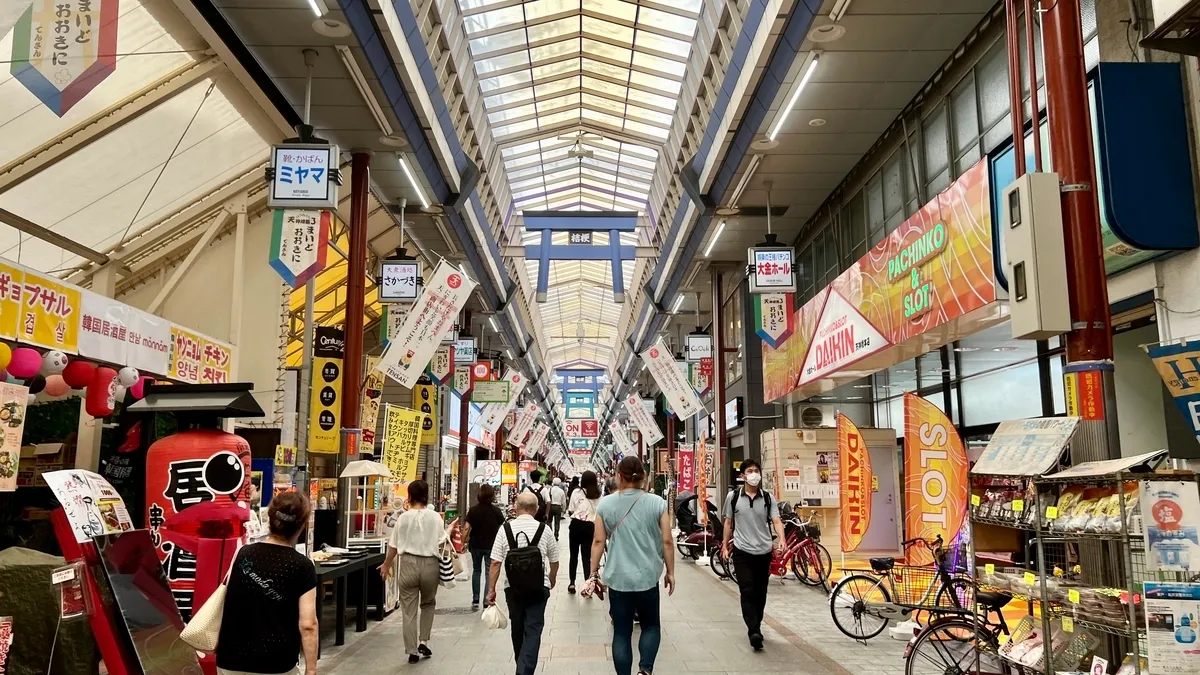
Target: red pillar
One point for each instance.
(356, 289)
(1015, 102)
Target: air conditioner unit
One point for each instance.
(817, 416)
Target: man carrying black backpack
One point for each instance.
(535, 487)
(750, 516)
(529, 554)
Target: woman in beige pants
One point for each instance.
(416, 539)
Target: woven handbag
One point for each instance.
(205, 627)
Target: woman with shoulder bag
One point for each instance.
(417, 540)
(582, 528)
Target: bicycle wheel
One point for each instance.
(956, 646)
(812, 566)
(850, 605)
(719, 564)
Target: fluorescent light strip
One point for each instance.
(812, 65)
(316, 8)
(713, 242)
(360, 81)
(492, 321)
(678, 302)
(413, 181)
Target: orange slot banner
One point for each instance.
(856, 478)
(936, 487)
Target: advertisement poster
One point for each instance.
(1170, 520)
(1172, 610)
(935, 267)
(91, 504)
(50, 313)
(525, 419)
(401, 441)
(372, 396)
(1179, 367)
(425, 400)
(325, 408)
(936, 486)
(687, 467)
(856, 477)
(434, 313)
(493, 414)
(13, 398)
(682, 399)
(643, 419)
(508, 473)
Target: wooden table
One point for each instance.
(338, 574)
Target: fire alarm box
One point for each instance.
(1037, 267)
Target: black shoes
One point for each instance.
(474, 606)
(571, 589)
(413, 658)
(756, 641)
(424, 651)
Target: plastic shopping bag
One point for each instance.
(494, 618)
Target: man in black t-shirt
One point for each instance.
(483, 522)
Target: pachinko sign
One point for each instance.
(934, 268)
(936, 488)
(856, 474)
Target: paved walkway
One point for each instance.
(702, 633)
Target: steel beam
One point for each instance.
(177, 276)
(51, 237)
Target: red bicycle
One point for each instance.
(802, 553)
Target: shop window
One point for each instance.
(1009, 394)
(936, 144)
(893, 184)
(965, 111)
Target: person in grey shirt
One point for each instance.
(750, 514)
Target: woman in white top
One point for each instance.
(583, 523)
(417, 539)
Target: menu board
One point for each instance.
(1028, 447)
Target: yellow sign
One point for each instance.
(989, 569)
(10, 300)
(1071, 393)
(401, 441)
(1018, 505)
(49, 313)
(1068, 624)
(425, 399)
(975, 500)
(325, 408)
(1051, 512)
(285, 455)
(1030, 579)
(186, 355)
(216, 362)
(372, 394)
(508, 473)
(1073, 596)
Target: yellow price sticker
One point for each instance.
(1052, 512)
(1003, 639)
(975, 501)
(989, 568)
(1073, 596)
(1030, 578)
(1068, 624)
(1018, 505)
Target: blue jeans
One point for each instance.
(621, 607)
(480, 561)
(526, 618)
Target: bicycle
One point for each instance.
(865, 602)
(809, 560)
(961, 644)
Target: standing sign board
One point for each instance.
(299, 244)
(433, 314)
(493, 413)
(401, 441)
(398, 280)
(773, 269)
(673, 384)
(303, 176)
(324, 425)
(642, 419)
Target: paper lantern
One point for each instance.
(25, 362)
(138, 390)
(100, 401)
(119, 392)
(5, 355)
(79, 373)
(53, 362)
(127, 376)
(56, 386)
(37, 384)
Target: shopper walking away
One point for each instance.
(416, 540)
(529, 554)
(543, 497)
(635, 526)
(558, 504)
(270, 613)
(750, 516)
(582, 527)
(483, 522)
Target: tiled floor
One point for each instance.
(702, 633)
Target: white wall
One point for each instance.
(1140, 413)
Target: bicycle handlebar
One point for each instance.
(931, 544)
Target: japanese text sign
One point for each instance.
(491, 391)
(185, 356)
(13, 398)
(49, 313)
(773, 315)
(441, 366)
(537, 439)
(773, 270)
(11, 280)
(581, 428)
(299, 244)
(461, 383)
(679, 393)
(303, 176)
(62, 49)
(465, 350)
(372, 396)
(687, 468)
(642, 419)
(401, 441)
(493, 414)
(425, 400)
(525, 419)
(398, 280)
(325, 405)
(621, 438)
(91, 504)
(433, 314)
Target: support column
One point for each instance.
(718, 386)
(87, 443)
(1089, 344)
(352, 362)
(673, 460)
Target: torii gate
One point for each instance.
(580, 226)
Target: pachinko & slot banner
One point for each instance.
(856, 474)
(936, 487)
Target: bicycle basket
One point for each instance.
(918, 587)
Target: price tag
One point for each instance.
(1068, 624)
(1003, 639)
(1073, 596)
(62, 575)
(975, 500)
(989, 568)
(1051, 512)
(1018, 505)
(1030, 578)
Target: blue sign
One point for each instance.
(1179, 367)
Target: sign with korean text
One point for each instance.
(216, 362)
(621, 438)
(461, 382)
(425, 400)
(148, 341)
(525, 419)
(441, 366)
(773, 315)
(537, 439)
(697, 346)
(186, 354)
(398, 280)
(493, 414)
(855, 483)
(581, 428)
(674, 385)
(490, 391)
(401, 441)
(325, 408)
(773, 270)
(285, 455)
(11, 279)
(433, 314)
(936, 486)
(13, 400)
(643, 419)
(299, 244)
(63, 49)
(466, 350)
(303, 176)
(372, 397)
(49, 313)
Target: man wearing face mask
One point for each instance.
(750, 514)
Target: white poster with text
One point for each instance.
(674, 385)
(433, 314)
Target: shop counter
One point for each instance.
(360, 569)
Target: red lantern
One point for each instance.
(78, 373)
(100, 392)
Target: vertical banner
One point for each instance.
(493, 414)
(508, 473)
(773, 316)
(299, 244)
(856, 476)
(324, 423)
(702, 477)
(461, 382)
(372, 396)
(525, 419)
(185, 356)
(431, 317)
(679, 393)
(621, 438)
(642, 419)
(13, 399)
(537, 439)
(61, 50)
(687, 467)
(1179, 367)
(425, 399)
(401, 441)
(936, 487)
(441, 366)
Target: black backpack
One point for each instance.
(524, 565)
(543, 510)
(737, 497)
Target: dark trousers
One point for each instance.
(480, 560)
(622, 607)
(526, 618)
(580, 533)
(753, 573)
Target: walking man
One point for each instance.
(558, 503)
(529, 553)
(750, 515)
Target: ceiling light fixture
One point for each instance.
(862, 386)
(1005, 348)
(813, 57)
(412, 181)
(492, 321)
(678, 302)
(316, 8)
(364, 89)
(713, 242)
(839, 10)
(964, 350)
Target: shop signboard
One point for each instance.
(698, 346)
(856, 481)
(325, 407)
(11, 280)
(433, 314)
(643, 419)
(1178, 365)
(508, 473)
(674, 385)
(285, 455)
(687, 467)
(401, 441)
(299, 244)
(581, 428)
(372, 397)
(63, 49)
(494, 413)
(481, 371)
(303, 176)
(772, 269)
(114, 332)
(398, 280)
(773, 317)
(425, 400)
(441, 366)
(934, 268)
(621, 438)
(525, 419)
(149, 342)
(1171, 525)
(49, 313)
(466, 350)
(936, 486)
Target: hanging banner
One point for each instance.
(149, 343)
(661, 363)
(508, 473)
(216, 362)
(537, 439)
(936, 486)
(372, 397)
(643, 419)
(481, 371)
(425, 399)
(105, 328)
(700, 377)
(461, 382)
(401, 441)
(50, 313)
(581, 428)
(432, 316)
(185, 356)
(493, 414)
(393, 319)
(687, 466)
(13, 400)
(621, 438)
(1179, 367)
(325, 410)
(299, 244)
(701, 471)
(525, 419)
(441, 366)
(11, 283)
(63, 49)
(856, 478)
(773, 316)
